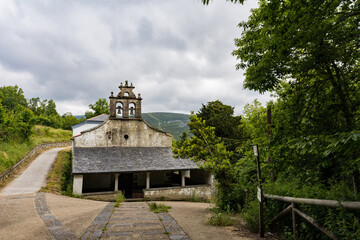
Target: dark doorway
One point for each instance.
(125, 184)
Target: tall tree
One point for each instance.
(312, 45)
(101, 106)
(12, 98)
(221, 117)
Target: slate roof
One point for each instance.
(129, 159)
(99, 118)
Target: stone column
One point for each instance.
(116, 182)
(78, 184)
(148, 180)
(183, 178)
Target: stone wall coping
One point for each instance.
(177, 187)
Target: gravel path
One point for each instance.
(33, 178)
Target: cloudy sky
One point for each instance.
(177, 53)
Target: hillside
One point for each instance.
(12, 152)
(173, 123)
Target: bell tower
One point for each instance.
(125, 105)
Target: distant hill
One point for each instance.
(80, 116)
(173, 123)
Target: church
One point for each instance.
(126, 154)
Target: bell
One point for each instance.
(132, 111)
(119, 110)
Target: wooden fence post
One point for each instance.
(293, 219)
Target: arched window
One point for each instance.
(126, 94)
(119, 109)
(132, 109)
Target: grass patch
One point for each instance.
(221, 219)
(119, 199)
(12, 152)
(59, 179)
(157, 208)
(43, 134)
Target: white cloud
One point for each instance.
(177, 53)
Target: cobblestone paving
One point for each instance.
(55, 227)
(172, 227)
(95, 230)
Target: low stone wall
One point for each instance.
(192, 193)
(30, 154)
(101, 196)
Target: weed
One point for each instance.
(221, 219)
(119, 199)
(157, 208)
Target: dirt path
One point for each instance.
(33, 178)
(50, 216)
(192, 216)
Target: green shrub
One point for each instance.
(66, 175)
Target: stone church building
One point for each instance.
(124, 153)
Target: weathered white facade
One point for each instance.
(124, 133)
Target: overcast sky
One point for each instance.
(176, 53)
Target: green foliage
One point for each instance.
(12, 151)
(308, 54)
(59, 179)
(66, 175)
(221, 219)
(69, 120)
(12, 98)
(101, 106)
(157, 208)
(119, 199)
(211, 154)
(18, 116)
(227, 126)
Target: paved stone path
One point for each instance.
(95, 230)
(33, 178)
(172, 227)
(134, 220)
(55, 227)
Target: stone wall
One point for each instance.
(191, 193)
(102, 196)
(32, 153)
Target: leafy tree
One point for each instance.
(211, 154)
(69, 120)
(221, 116)
(312, 45)
(101, 106)
(33, 105)
(307, 53)
(12, 98)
